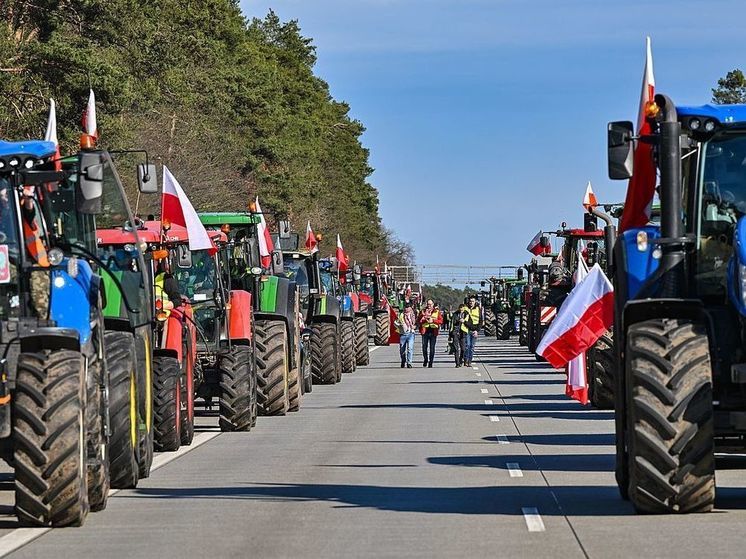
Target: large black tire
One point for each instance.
(502, 326)
(602, 371)
(347, 333)
(325, 354)
(121, 363)
(186, 397)
(383, 329)
(166, 403)
(490, 328)
(272, 367)
(523, 329)
(49, 439)
(670, 421)
(295, 387)
(236, 386)
(97, 445)
(307, 374)
(362, 351)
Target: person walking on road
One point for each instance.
(405, 325)
(430, 321)
(457, 335)
(470, 329)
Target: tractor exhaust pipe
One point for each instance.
(609, 237)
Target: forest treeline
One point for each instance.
(232, 105)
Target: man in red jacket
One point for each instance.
(429, 320)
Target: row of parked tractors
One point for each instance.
(113, 332)
(673, 365)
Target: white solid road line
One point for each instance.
(502, 439)
(534, 523)
(485, 391)
(22, 536)
(488, 402)
(494, 418)
(514, 468)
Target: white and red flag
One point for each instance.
(589, 198)
(577, 378)
(266, 246)
(342, 260)
(641, 188)
(176, 208)
(51, 134)
(585, 315)
(535, 248)
(312, 244)
(90, 125)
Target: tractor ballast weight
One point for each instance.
(679, 316)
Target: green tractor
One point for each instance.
(275, 308)
(509, 302)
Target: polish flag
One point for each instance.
(577, 378)
(90, 125)
(641, 188)
(266, 246)
(589, 199)
(51, 134)
(176, 208)
(342, 260)
(312, 244)
(585, 315)
(535, 248)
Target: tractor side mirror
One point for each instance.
(620, 149)
(357, 273)
(520, 273)
(147, 179)
(90, 184)
(284, 229)
(278, 262)
(184, 257)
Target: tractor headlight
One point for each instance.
(14, 162)
(55, 256)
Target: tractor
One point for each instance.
(360, 302)
(60, 425)
(332, 285)
(373, 284)
(275, 309)
(507, 305)
(680, 306)
(486, 301)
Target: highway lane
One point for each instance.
(441, 462)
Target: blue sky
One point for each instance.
(490, 115)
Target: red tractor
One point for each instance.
(374, 286)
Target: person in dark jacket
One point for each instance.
(458, 335)
(470, 327)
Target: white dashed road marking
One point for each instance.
(488, 402)
(503, 439)
(534, 523)
(494, 418)
(514, 468)
(478, 374)
(485, 391)
(475, 368)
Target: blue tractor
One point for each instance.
(680, 317)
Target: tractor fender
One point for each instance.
(167, 352)
(361, 314)
(239, 316)
(174, 334)
(73, 299)
(324, 319)
(50, 337)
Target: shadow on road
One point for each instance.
(546, 462)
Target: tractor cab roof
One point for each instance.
(150, 232)
(722, 114)
(30, 149)
(580, 233)
(229, 218)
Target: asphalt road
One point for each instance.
(443, 462)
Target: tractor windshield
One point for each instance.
(722, 201)
(327, 281)
(200, 281)
(9, 252)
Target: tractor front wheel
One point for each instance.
(502, 326)
(166, 403)
(602, 371)
(670, 420)
(348, 346)
(383, 329)
(324, 353)
(236, 385)
(272, 367)
(489, 323)
(362, 351)
(523, 328)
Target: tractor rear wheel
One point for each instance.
(49, 439)
(272, 367)
(502, 326)
(670, 420)
(121, 363)
(383, 329)
(234, 368)
(362, 351)
(324, 353)
(347, 332)
(523, 328)
(490, 327)
(98, 447)
(295, 388)
(602, 370)
(166, 403)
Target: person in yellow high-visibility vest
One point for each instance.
(470, 328)
(166, 289)
(430, 320)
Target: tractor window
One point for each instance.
(200, 281)
(722, 201)
(9, 253)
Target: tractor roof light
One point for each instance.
(225, 228)
(165, 225)
(29, 163)
(55, 256)
(161, 254)
(694, 124)
(14, 162)
(710, 125)
(252, 207)
(652, 110)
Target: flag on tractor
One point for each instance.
(51, 134)
(90, 125)
(342, 260)
(589, 199)
(312, 244)
(176, 208)
(577, 379)
(641, 188)
(535, 248)
(266, 246)
(585, 315)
